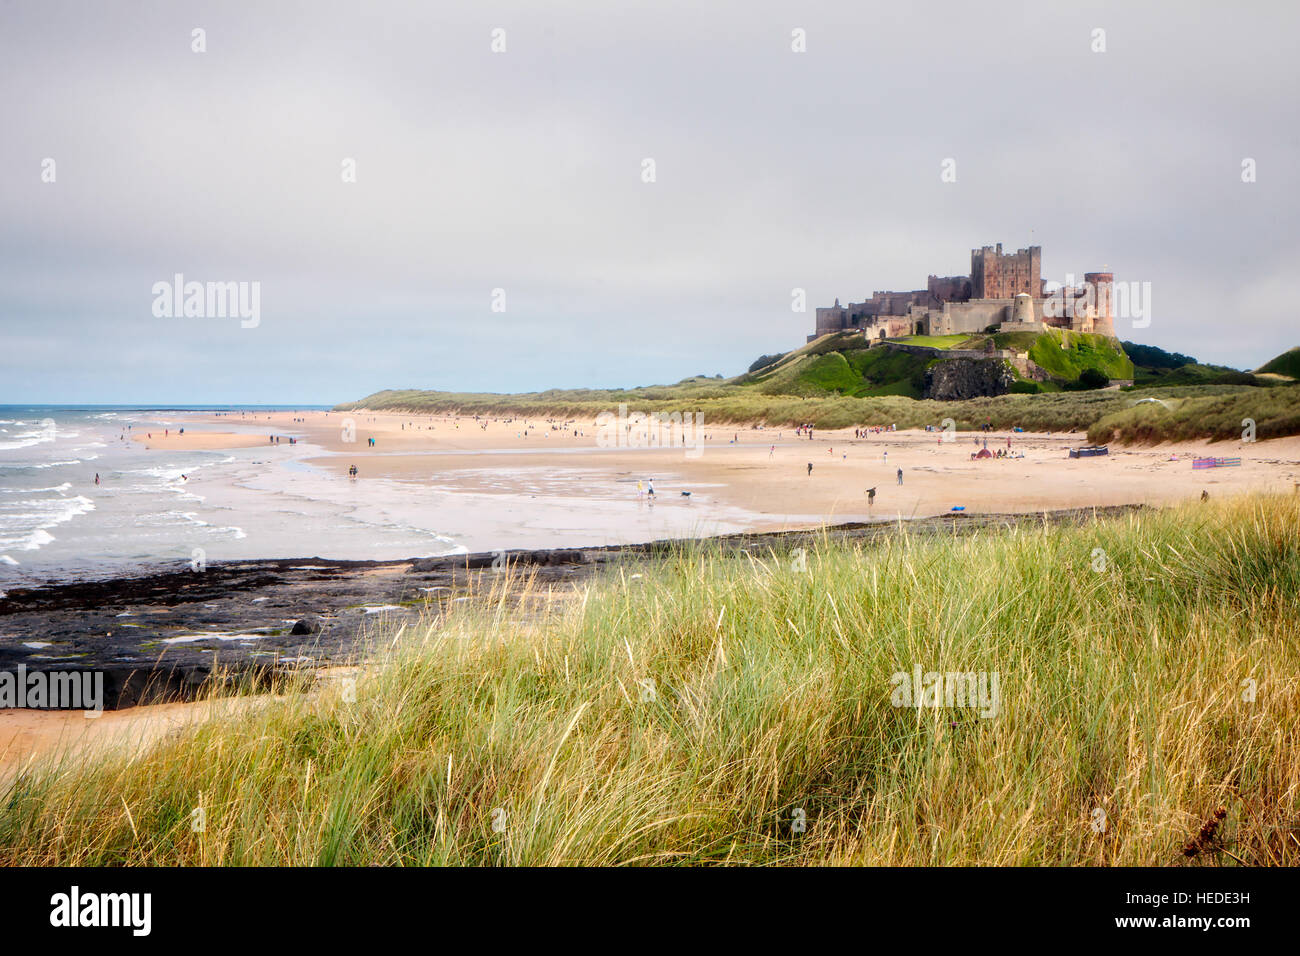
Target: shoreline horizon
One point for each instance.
(444, 484)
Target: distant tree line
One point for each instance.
(1151, 356)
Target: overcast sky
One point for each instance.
(523, 171)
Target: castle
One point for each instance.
(1004, 291)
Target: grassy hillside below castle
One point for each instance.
(845, 363)
(837, 381)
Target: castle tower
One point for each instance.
(998, 275)
(1102, 285)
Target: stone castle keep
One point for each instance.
(1003, 290)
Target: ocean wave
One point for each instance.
(23, 442)
(50, 510)
(66, 486)
(32, 541)
(169, 474)
(46, 513)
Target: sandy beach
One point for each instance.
(28, 735)
(198, 441)
(765, 471)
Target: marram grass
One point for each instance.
(736, 709)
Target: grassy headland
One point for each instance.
(837, 382)
(1288, 364)
(690, 710)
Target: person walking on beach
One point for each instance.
(871, 496)
(900, 476)
(771, 453)
(96, 478)
(640, 489)
(809, 469)
(650, 492)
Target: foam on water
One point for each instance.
(273, 502)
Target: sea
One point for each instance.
(157, 507)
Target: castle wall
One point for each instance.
(949, 288)
(894, 303)
(973, 316)
(829, 320)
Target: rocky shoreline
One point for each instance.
(163, 635)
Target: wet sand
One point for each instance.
(198, 441)
(742, 468)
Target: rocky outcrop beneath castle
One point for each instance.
(960, 378)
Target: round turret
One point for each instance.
(1102, 284)
(1022, 309)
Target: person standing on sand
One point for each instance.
(771, 453)
(809, 469)
(96, 479)
(900, 476)
(650, 492)
(640, 489)
(871, 496)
